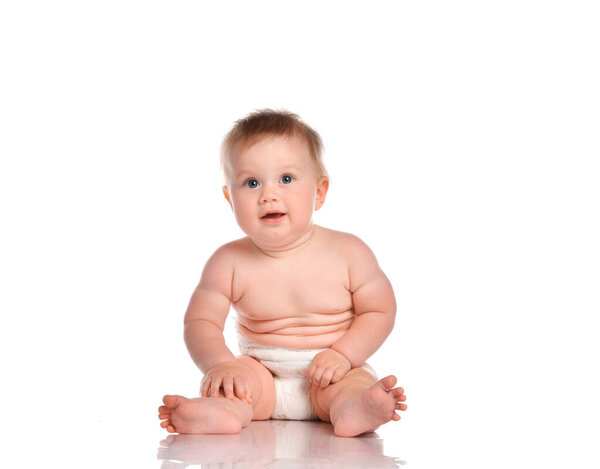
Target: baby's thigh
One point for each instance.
(262, 387)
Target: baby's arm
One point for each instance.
(375, 311)
(203, 330)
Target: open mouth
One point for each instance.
(273, 215)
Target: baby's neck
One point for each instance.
(289, 249)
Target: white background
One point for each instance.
(462, 140)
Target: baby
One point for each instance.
(312, 303)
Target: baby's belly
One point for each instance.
(311, 332)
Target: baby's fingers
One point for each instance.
(326, 377)
(338, 375)
(205, 386)
(242, 389)
(317, 375)
(215, 386)
(228, 387)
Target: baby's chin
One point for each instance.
(282, 242)
(273, 243)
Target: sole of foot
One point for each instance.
(204, 415)
(369, 409)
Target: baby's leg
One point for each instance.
(218, 414)
(358, 403)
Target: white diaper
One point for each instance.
(292, 387)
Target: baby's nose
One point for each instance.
(269, 194)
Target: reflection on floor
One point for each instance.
(276, 444)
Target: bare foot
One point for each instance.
(203, 415)
(369, 409)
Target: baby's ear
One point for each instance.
(322, 188)
(227, 196)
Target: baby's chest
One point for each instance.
(294, 290)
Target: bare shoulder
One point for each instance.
(348, 245)
(219, 268)
(231, 250)
(358, 256)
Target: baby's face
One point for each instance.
(274, 189)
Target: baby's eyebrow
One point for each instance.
(244, 173)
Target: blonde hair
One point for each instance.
(267, 122)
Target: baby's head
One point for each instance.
(268, 123)
(275, 177)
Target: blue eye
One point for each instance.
(286, 179)
(251, 183)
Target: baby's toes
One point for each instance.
(171, 401)
(388, 382)
(168, 425)
(398, 394)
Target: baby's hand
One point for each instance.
(327, 367)
(231, 377)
